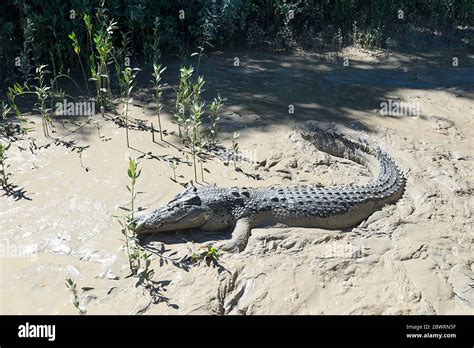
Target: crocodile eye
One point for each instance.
(193, 201)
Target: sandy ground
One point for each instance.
(414, 257)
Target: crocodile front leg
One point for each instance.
(240, 236)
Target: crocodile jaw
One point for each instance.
(164, 219)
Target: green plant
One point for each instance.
(183, 96)
(11, 95)
(77, 50)
(119, 55)
(153, 45)
(27, 55)
(214, 108)
(133, 173)
(210, 255)
(196, 120)
(5, 109)
(157, 71)
(103, 44)
(368, 38)
(4, 124)
(285, 35)
(127, 221)
(338, 39)
(205, 41)
(42, 93)
(128, 77)
(3, 166)
(71, 285)
(235, 149)
(197, 89)
(139, 260)
(89, 29)
(37, 31)
(193, 121)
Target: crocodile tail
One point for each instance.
(390, 180)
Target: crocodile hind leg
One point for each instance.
(240, 236)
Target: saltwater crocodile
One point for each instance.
(214, 208)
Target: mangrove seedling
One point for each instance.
(77, 50)
(205, 41)
(128, 77)
(9, 127)
(183, 96)
(142, 261)
(3, 166)
(127, 222)
(119, 56)
(196, 115)
(88, 23)
(42, 93)
(214, 108)
(139, 260)
(133, 173)
(157, 71)
(153, 45)
(210, 255)
(71, 285)
(235, 149)
(103, 45)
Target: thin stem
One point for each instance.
(84, 74)
(126, 121)
(159, 124)
(194, 161)
(127, 244)
(202, 171)
(133, 198)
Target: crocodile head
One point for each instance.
(185, 211)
